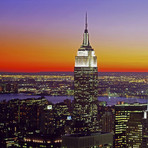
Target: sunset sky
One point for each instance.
(44, 35)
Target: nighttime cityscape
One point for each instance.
(60, 88)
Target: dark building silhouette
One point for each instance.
(85, 140)
(85, 86)
(107, 122)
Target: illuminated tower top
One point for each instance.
(86, 55)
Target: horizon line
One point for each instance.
(72, 71)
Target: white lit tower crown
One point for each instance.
(85, 86)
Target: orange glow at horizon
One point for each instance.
(22, 52)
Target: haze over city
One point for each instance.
(40, 35)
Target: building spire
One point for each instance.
(86, 35)
(86, 21)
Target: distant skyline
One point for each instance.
(37, 35)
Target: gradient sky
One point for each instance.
(44, 35)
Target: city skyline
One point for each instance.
(44, 35)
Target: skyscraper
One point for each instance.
(134, 130)
(145, 129)
(85, 86)
(123, 123)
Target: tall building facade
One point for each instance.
(134, 130)
(85, 86)
(107, 122)
(145, 129)
(123, 124)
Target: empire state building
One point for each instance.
(85, 86)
